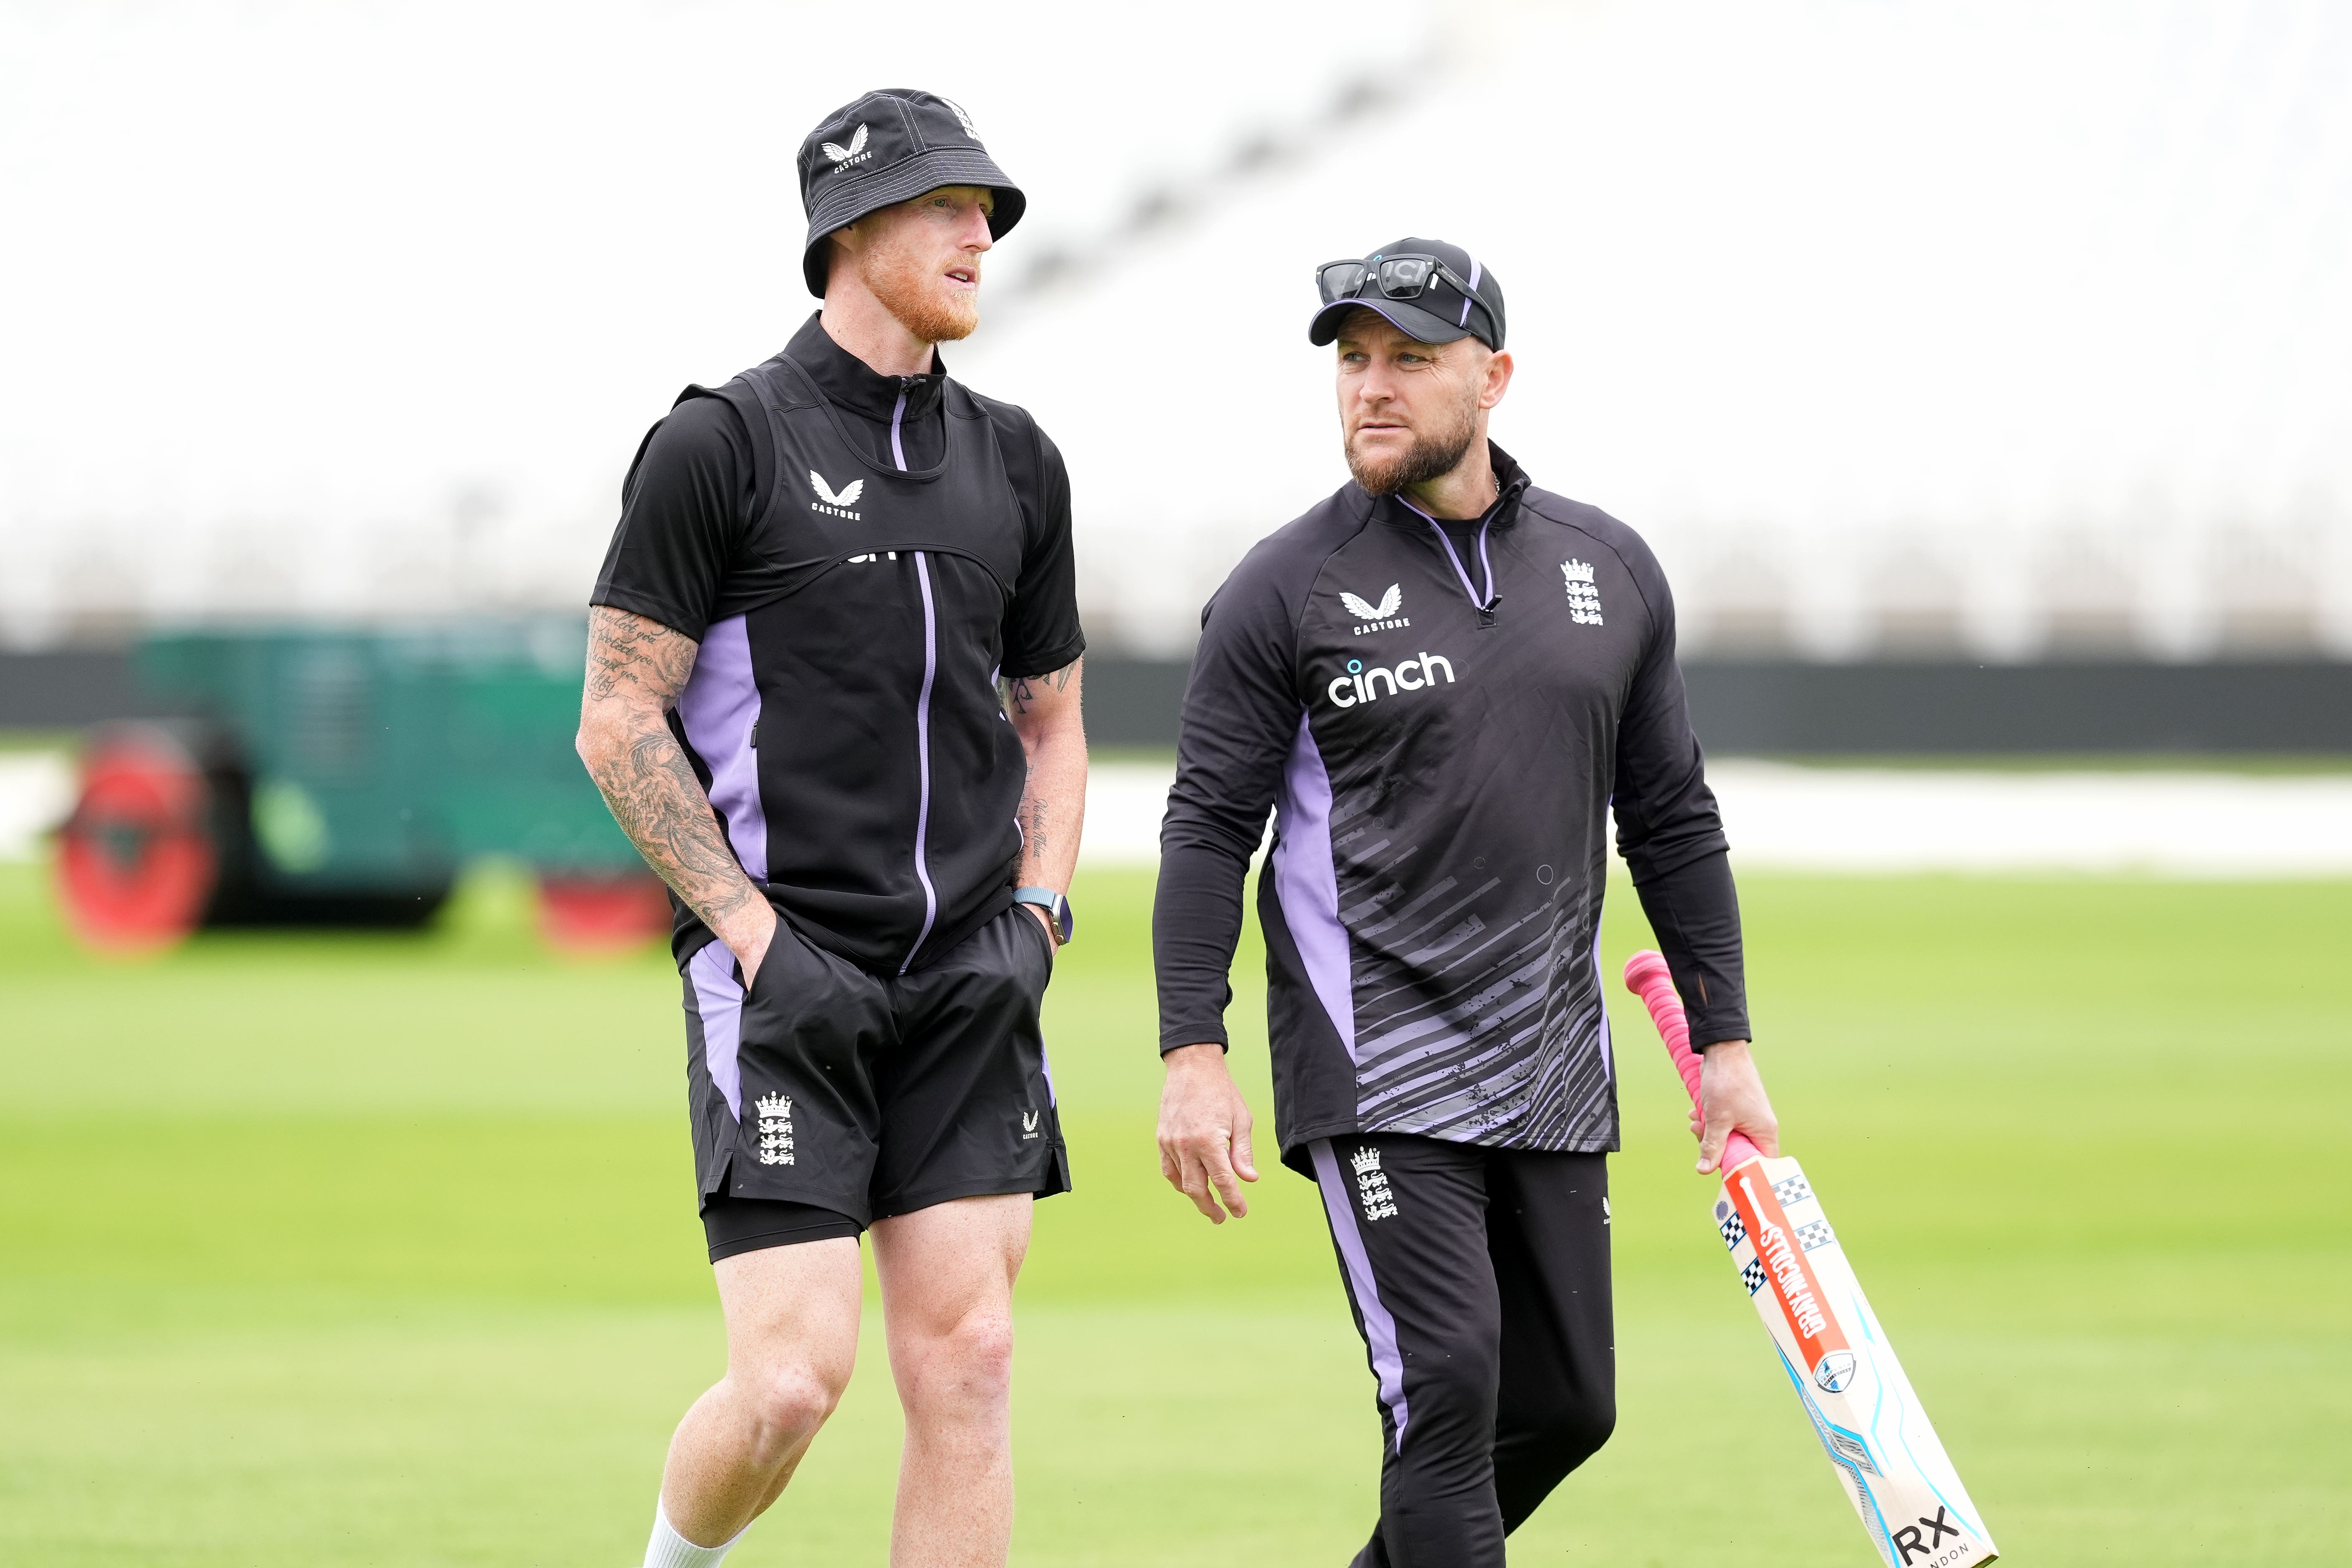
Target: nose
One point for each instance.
(976, 235)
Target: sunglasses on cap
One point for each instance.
(1396, 276)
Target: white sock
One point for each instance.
(669, 1548)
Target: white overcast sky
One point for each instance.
(321, 305)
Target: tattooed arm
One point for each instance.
(636, 669)
(1044, 713)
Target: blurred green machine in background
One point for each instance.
(317, 776)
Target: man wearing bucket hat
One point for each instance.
(833, 695)
(1443, 679)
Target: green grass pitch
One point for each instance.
(334, 1250)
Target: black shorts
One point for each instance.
(870, 1095)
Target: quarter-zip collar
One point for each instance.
(1475, 575)
(898, 418)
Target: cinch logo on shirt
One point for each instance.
(836, 504)
(1361, 685)
(854, 152)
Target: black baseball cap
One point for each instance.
(890, 146)
(1457, 298)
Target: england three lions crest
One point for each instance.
(775, 1130)
(1583, 597)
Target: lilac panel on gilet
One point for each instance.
(1600, 990)
(1308, 883)
(1379, 1328)
(719, 707)
(720, 1001)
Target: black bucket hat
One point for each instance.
(1457, 298)
(890, 146)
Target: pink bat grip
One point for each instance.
(1646, 977)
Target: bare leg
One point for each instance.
(792, 1340)
(947, 1306)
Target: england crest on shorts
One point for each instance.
(1372, 1183)
(775, 1130)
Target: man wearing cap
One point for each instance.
(1442, 679)
(833, 695)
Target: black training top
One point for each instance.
(1442, 726)
(860, 557)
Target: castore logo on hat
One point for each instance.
(854, 152)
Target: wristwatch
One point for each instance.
(1057, 908)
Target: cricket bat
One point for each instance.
(1838, 1359)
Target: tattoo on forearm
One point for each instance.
(631, 657)
(1021, 692)
(660, 804)
(638, 668)
(1034, 834)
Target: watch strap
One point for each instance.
(1057, 908)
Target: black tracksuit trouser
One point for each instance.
(1479, 1279)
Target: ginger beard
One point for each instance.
(902, 269)
(1438, 447)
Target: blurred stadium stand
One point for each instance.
(1976, 371)
(1781, 706)
(1790, 707)
(63, 689)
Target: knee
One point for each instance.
(1457, 1389)
(789, 1403)
(1577, 1432)
(968, 1364)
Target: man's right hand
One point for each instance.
(1205, 1132)
(751, 941)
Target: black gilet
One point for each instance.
(847, 726)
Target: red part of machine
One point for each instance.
(136, 862)
(601, 913)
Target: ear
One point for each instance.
(843, 253)
(1498, 379)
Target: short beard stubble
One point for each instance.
(910, 288)
(1434, 454)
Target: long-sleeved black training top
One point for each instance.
(1440, 717)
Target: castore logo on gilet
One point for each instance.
(836, 504)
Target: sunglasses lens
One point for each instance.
(1340, 279)
(1403, 277)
